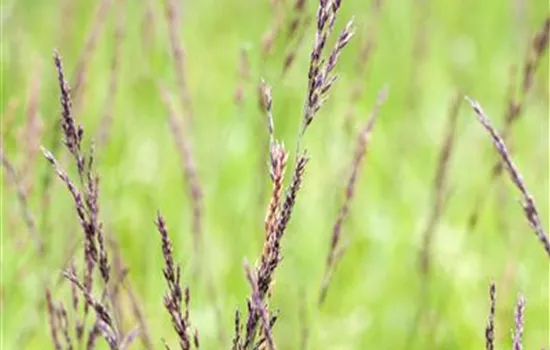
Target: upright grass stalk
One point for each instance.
(336, 250)
(135, 303)
(292, 50)
(298, 17)
(182, 136)
(320, 80)
(273, 31)
(243, 76)
(364, 58)
(32, 133)
(85, 195)
(79, 82)
(296, 32)
(28, 217)
(52, 320)
(529, 208)
(80, 77)
(439, 191)
(178, 56)
(80, 73)
(277, 217)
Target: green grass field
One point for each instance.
(427, 52)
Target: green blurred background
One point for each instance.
(426, 51)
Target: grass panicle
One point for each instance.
(529, 208)
(277, 218)
(175, 299)
(320, 77)
(72, 132)
(102, 301)
(85, 195)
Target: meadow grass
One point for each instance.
(410, 235)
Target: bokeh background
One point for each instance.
(426, 51)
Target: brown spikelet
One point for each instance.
(277, 173)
